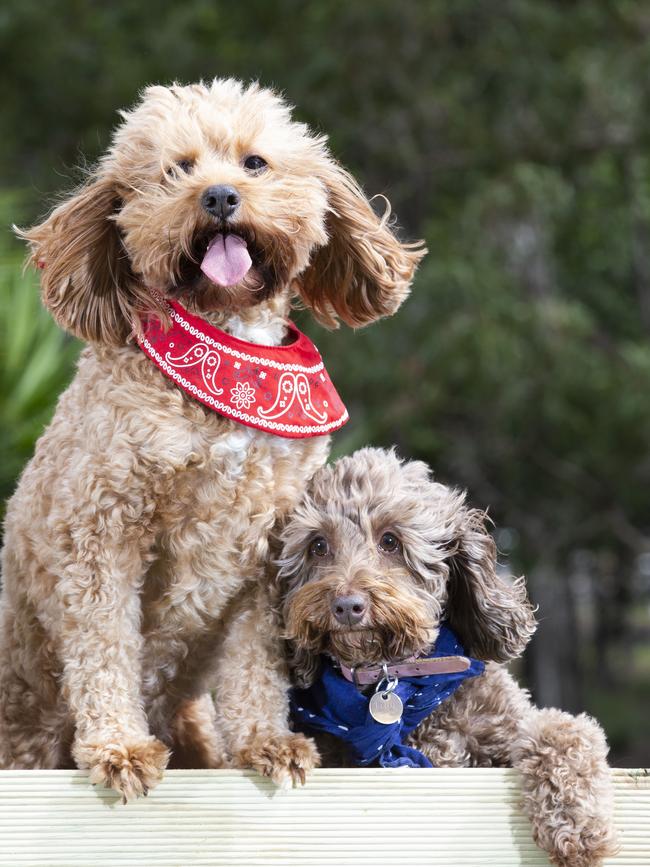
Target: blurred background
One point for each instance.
(514, 137)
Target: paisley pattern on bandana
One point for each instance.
(284, 390)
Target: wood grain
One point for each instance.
(345, 818)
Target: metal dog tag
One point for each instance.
(386, 707)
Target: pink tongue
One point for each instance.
(226, 260)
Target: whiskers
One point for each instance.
(402, 620)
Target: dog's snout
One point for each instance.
(220, 201)
(349, 610)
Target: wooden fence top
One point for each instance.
(347, 818)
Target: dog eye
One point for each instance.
(184, 165)
(319, 547)
(254, 163)
(389, 543)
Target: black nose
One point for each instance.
(221, 201)
(349, 610)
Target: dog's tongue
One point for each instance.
(226, 260)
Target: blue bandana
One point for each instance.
(333, 704)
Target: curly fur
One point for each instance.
(137, 222)
(445, 566)
(142, 521)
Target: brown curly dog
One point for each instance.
(144, 516)
(373, 559)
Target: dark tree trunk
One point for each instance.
(552, 664)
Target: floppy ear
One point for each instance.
(493, 620)
(304, 665)
(86, 279)
(363, 272)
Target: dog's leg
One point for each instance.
(33, 734)
(35, 729)
(96, 623)
(567, 787)
(252, 701)
(196, 743)
(490, 721)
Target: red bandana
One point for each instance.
(283, 390)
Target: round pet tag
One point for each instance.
(386, 707)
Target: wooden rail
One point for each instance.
(342, 818)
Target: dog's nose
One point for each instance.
(221, 201)
(349, 610)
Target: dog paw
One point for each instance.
(131, 769)
(286, 759)
(586, 847)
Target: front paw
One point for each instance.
(584, 846)
(131, 769)
(286, 759)
(567, 787)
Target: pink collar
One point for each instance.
(284, 390)
(411, 667)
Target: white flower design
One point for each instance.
(242, 395)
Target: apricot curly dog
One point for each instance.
(379, 564)
(144, 515)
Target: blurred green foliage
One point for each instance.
(37, 360)
(514, 137)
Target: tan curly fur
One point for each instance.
(142, 521)
(444, 566)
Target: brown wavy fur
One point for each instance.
(446, 567)
(86, 280)
(138, 534)
(130, 225)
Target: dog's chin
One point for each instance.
(369, 646)
(267, 275)
(200, 295)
